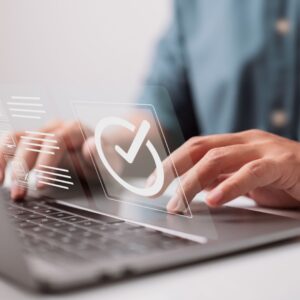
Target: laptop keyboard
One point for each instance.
(55, 232)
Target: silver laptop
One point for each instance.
(50, 245)
(94, 234)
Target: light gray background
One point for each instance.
(99, 43)
(108, 43)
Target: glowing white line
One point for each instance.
(55, 185)
(52, 173)
(28, 110)
(40, 133)
(40, 145)
(25, 98)
(54, 168)
(24, 116)
(38, 139)
(25, 104)
(55, 179)
(40, 151)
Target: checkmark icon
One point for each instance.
(138, 141)
(136, 144)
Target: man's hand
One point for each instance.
(67, 136)
(261, 165)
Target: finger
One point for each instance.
(50, 156)
(220, 179)
(8, 143)
(23, 159)
(273, 198)
(255, 174)
(216, 162)
(72, 135)
(69, 138)
(89, 151)
(184, 158)
(26, 155)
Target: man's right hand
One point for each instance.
(69, 139)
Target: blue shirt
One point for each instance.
(230, 65)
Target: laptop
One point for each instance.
(54, 245)
(81, 234)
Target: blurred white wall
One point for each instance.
(103, 43)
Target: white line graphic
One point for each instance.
(54, 179)
(28, 110)
(39, 133)
(40, 145)
(25, 104)
(55, 185)
(25, 116)
(45, 179)
(54, 174)
(40, 151)
(21, 108)
(54, 168)
(38, 139)
(25, 98)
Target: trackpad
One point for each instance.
(205, 223)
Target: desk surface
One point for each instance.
(268, 273)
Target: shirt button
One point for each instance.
(282, 26)
(279, 118)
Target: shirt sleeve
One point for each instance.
(169, 72)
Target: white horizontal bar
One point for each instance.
(40, 133)
(25, 104)
(55, 168)
(40, 151)
(25, 116)
(25, 98)
(38, 139)
(28, 110)
(52, 173)
(40, 145)
(55, 185)
(55, 179)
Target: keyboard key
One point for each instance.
(60, 215)
(37, 229)
(45, 210)
(90, 235)
(106, 243)
(89, 223)
(44, 220)
(106, 229)
(29, 216)
(26, 225)
(73, 230)
(53, 235)
(57, 225)
(65, 227)
(18, 211)
(67, 240)
(74, 219)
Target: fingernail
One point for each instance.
(172, 204)
(176, 204)
(150, 181)
(17, 192)
(1, 176)
(214, 197)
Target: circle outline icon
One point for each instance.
(156, 187)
